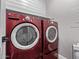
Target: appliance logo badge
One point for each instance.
(27, 18)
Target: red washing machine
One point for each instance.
(24, 36)
(50, 44)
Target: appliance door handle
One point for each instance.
(50, 51)
(13, 18)
(4, 39)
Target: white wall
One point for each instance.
(66, 13)
(36, 7)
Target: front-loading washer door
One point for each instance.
(25, 36)
(51, 34)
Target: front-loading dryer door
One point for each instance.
(51, 34)
(25, 36)
(24, 42)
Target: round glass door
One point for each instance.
(51, 34)
(25, 36)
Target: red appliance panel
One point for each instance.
(12, 20)
(49, 48)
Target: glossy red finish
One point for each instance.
(11, 51)
(49, 53)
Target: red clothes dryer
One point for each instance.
(50, 39)
(24, 36)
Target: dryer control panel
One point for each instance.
(17, 16)
(13, 16)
